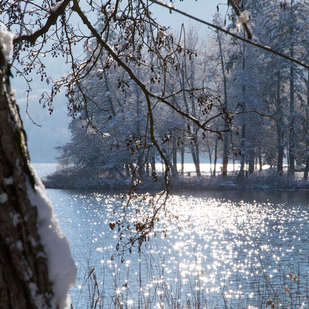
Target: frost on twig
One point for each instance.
(242, 18)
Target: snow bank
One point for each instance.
(61, 267)
(6, 41)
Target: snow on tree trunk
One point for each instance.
(36, 267)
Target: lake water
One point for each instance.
(228, 250)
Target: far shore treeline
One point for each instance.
(252, 103)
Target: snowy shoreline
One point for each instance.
(256, 181)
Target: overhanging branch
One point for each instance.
(52, 19)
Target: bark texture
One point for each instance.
(24, 279)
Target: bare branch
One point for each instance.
(52, 19)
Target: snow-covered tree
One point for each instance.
(285, 33)
(105, 99)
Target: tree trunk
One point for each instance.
(279, 129)
(25, 277)
(307, 166)
(251, 165)
(242, 156)
(195, 148)
(153, 163)
(216, 157)
(251, 153)
(182, 159)
(243, 126)
(210, 158)
(196, 162)
(21, 264)
(182, 154)
(174, 144)
(292, 111)
(225, 160)
(260, 159)
(292, 125)
(307, 132)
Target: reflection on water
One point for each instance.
(228, 249)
